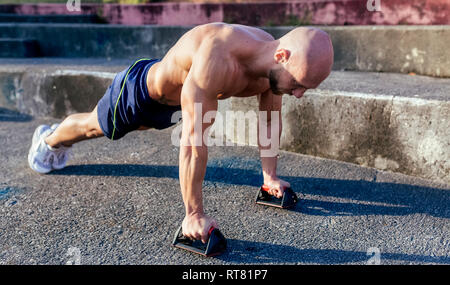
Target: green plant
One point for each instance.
(295, 20)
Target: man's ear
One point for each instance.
(282, 55)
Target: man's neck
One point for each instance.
(262, 60)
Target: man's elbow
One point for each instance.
(196, 151)
(199, 152)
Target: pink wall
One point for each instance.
(316, 12)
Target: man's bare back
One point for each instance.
(213, 49)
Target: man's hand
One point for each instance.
(276, 186)
(196, 226)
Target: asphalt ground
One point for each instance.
(120, 203)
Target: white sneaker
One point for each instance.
(40, 157)
(38, 132)
(63, 154)
(43, 158)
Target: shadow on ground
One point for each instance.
(7, 115)
(317, 195)
(257, 252)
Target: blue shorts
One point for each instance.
(127, 105)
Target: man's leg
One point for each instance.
(75, 128)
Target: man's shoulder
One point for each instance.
(224, 31)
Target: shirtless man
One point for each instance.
(210, 62)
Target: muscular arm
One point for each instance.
(198, 96)
(193, 151)
(268, 102)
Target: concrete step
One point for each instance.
(80, 19)
(398, 49)
(388, 121)
(18, 47)
(391, 122)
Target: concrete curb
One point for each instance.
(401, 49)
(53, 93)
(389, 129)
(400, 134)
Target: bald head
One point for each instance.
(311, 52)
(304, 54)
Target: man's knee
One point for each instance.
(91, 126)
(93, 132)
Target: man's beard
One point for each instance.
(273, 81)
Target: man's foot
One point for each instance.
(43, 158)
(63, 153)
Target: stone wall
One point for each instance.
(306, 12)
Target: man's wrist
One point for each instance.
(269, 177)
(193, 213)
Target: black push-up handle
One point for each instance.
(217, 244)
(288, 200)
